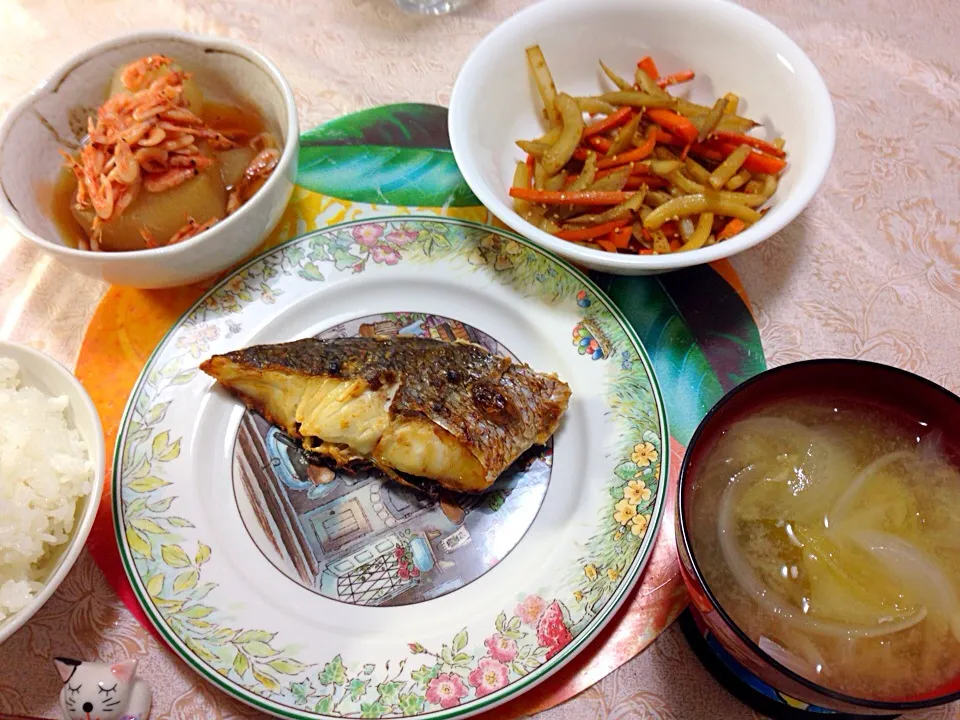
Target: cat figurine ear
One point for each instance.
(124, 671)
(105, 691)
(66, 667)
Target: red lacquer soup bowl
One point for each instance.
(884, 389)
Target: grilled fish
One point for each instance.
(450, 412)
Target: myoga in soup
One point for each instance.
(829, 531)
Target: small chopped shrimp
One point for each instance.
(135, 74)
(101, 134)
(263, 163)
(191, 229)
(219, 141)
(200, 162)
(152, 159)
(96, 233)
(93, 161)
(161, 182)
(173, 79)
(175, 129)
(148, 239)
(80, 200)
(101, 197)
(145, 112)
(181, 115)
(127, 169)
(234, 201)
(263, 141)
(155, 136)
(180, 142)
(129, 194)
(253, 177)
(135, 135)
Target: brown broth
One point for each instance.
(224, 117)
(61, 199)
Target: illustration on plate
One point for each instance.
(362, 539)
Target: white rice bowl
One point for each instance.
(45, 470)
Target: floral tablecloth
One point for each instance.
(871, 270)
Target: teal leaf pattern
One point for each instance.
(394, 155)
(724, 327)
(682, 369)
(699, 350)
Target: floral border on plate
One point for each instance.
(524, 643)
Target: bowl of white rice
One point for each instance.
(51, 478)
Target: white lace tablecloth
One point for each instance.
(871, 270)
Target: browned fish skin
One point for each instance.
(492, 406)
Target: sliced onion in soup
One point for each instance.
(775, 604)
(913, 567)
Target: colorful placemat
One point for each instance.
(696, 326)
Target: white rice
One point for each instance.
(44, 469)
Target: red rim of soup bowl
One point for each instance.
(884, 385)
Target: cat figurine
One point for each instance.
(102, 691)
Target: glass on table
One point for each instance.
(431, 7)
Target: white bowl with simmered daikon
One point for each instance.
(640, 136)
(152, 160)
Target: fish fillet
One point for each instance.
(450, 412)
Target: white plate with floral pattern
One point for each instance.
(308, 593)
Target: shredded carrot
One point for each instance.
(609, 122)
(649, 67)
(645, 251)
(670, 228)
(599, 143)
(620, 237)
(606, 245)
(635, 182)
(559, 197)
(631, 155)
(674, 123)
(754, 142)
(731, 228)
(588, 233)
(668, 139)
(756, 162)
(675, 244)
(531, 162)
(604, 173)
(677, 77)
(707, 152)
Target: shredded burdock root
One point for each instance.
(147, 141)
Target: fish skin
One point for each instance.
(493, 407)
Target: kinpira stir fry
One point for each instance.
(649, 173)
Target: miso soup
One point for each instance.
(829, 532)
